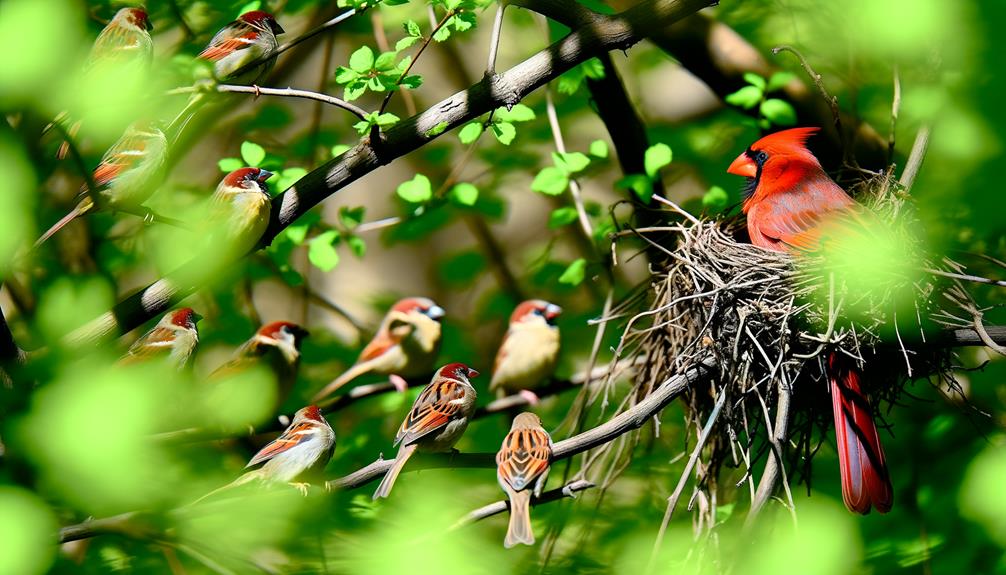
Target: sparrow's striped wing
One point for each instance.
(154, 343)
(126, 154)
(439, 403)
(233, 37)
(292, 437)
(116, 43)
(524, 457)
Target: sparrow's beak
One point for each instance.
(276, 28)
(435, 312)
(196, 318)
(743, 166)
(264, 175)
(552, 311)
(472, 373)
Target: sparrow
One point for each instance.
(405, 345)
(125, 41)
(174, 338)
(437, 419)
(125, 177)
(522, 469)
(299, 455)
(275, 344)
(240, 209)
(250, 38)
(529, 351)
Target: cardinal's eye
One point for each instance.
(760, 157)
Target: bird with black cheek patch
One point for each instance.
(792, 205)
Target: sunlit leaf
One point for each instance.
(574, 273)
(465, 194)
(470, 132)
(322, 253)
(747, 97)
(252, 153)
(416, 190)
(362, 60)
(657, 156)
(551, 181)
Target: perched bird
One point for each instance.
(522, 469)
(126, 176)
(529, 351)
(277, 345)
(125, 41)
(298, 456)
(174, 338)
(250, 38)
(406, 345)
(790, 203)
(240, 209)
(437, 419)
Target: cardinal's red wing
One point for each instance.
(524, 456)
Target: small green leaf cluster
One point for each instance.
(378, 73)
(656, 157)
(771, 111)
(502, 123)
(571, 81)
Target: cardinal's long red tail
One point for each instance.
(865, 480)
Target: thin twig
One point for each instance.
(284, 93)
(494, 40)
(895, 109)
(915, 157)
(831, 100)
(567, 490)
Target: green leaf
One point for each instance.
(561, 217)
(779, 81)
(404, 63)
(640, 185)
(470, 132)
(519, 113)
(465, 194)
(354, 89)
(593, 69)
(715, 199)
(344, 75)
(463, 21)
(230, 164)
(779, 112)
(252, 153)
(755, 80)
(387, 119)
(377, 85)
(442, 34)
(386, 61)
(747, 97)
(412, 81)
(505, 132)
(297, 232)
(362, 60)
(571, 162)
(412, 28)
(321, 251)
(362, 127)
(416, 190)
(339, 149)
(551, 181)
(387, 2)
(405, 43)
(351, 217)
(357, 246)
(437, 130)
(657, 156)
(599, 149)
(289, 177)
(574, 273)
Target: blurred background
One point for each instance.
(486, 226)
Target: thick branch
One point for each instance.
(623, 423)
(601, 34)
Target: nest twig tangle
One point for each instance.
(770, 320)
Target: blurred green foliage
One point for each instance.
(89, 440)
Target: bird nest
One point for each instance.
(770, 320)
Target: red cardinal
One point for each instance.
(789, 200)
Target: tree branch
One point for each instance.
(294, 93)
(601, 34)
(620, 424)
(567, 490)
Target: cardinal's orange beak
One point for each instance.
(743, 166)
